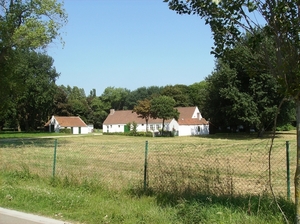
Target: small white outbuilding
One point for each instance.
(75, 123)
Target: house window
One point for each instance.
(111, 126)
(118, 125)
(157, 126)
(107, 126)
(151, 127)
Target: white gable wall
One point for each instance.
(197, 114)
(189, 130)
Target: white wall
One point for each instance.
(141, 127)
(189, 130)
(113, 128)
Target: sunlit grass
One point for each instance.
(99, 178)
(90, 202)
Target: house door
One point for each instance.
(126, 128)
(79, 130)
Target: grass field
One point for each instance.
(178, 168)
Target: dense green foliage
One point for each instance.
(24, 25)
(241, 92)
(31, 105)
(163, 107)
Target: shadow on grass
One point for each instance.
(25, 142)
(191, 203)
(244, 136)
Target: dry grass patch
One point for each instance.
(228, 164)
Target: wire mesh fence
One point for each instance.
(209, 168)
(220, 169)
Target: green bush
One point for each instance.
(66, 131)
(131, 133)
(286, 127)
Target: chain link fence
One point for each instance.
(219, 169)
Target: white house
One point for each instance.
(190, 122)
(117, 121)
(76, 124)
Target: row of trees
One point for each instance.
(239, 92)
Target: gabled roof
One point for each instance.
(71, 121)
(186, 116)
(186, 112)
(192, 121)
(126, 116)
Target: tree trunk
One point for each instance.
(297, 174)
(147, 125)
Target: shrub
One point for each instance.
(286, 127)
(66, 130)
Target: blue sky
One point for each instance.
(131, 44)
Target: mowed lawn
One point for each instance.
(120, 160)
(219, 165)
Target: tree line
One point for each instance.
(238, 93)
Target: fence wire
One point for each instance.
(220, 169)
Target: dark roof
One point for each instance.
(72, 121)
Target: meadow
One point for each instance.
(227, 176)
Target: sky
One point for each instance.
(130, 44)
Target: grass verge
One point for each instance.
(92, 202)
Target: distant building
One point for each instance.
(190, 122)
(75, 124)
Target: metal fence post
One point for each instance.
(288, 170)
(54, 158)
(145, 166)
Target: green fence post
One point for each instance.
(54, 158)
(145, 166)
(288, 170)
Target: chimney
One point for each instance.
(112, 111)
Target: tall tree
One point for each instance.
(60, 105)
(34, 103)
(163, 107)
(115, 97)
(235, 98)
(141, 94)
(24, 24)
(197, 94)
(229, 19)
(97, 112)
(179, 93)
(142, 109)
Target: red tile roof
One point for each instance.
(186, 112)
(126, 116)
(192, 121)
(68, 121)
